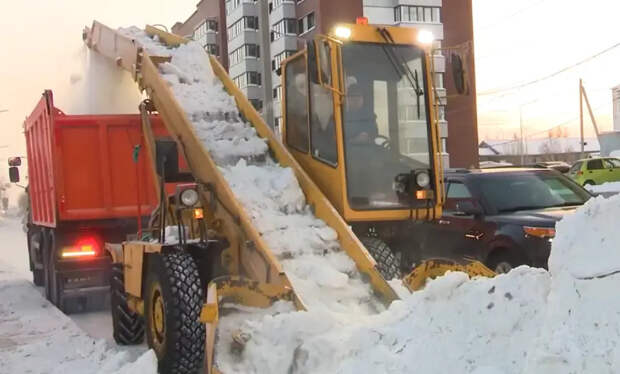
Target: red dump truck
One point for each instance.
(88, 183)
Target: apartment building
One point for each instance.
(252, 37)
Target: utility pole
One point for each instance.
(581, 118)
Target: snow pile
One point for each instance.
(528, 321)
(35, 337)
(605, 188)
(581, 330)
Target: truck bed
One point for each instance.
(81, 167)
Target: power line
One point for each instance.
(546, 130)
(538, 80)
(503, 19)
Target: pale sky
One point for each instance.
(521, 41)
(516, 41)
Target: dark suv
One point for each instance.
(503, 217)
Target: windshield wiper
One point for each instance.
(398, 62)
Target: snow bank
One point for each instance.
(609, 187)
(528, 321)
(35, 337)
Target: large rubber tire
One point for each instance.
(174, 293)
(387, 263)
(128, 326)
(35, 242)
(502, 261)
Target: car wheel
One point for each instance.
(501, 261)
(589, 183)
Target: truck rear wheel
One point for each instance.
(173, 301)
(387, 263)
(128, 326)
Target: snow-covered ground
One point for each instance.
(35, 337)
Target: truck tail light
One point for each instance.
(85, 247)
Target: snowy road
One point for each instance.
(35, 337)
(15, 256)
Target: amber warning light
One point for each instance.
(361, 21)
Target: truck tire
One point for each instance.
(38, 277)
(387, 263)
(173, 301)
(128, 326)
(52, 291)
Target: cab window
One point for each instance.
(296, 115)
(322, 125)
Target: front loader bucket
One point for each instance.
(240, 291)
(434, 268)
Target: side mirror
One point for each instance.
(167, 158)
(15, 161)
(468, 208)
(458, 74)
(14, 174)
(313, 69)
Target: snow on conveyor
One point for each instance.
(307, 248)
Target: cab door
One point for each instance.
(595, 172)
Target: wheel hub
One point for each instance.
(503, 267)
(158, 318)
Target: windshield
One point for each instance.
(528, 191)
(385, 121)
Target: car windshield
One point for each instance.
(527, 191)
(385, 120)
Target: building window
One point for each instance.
(422, 14)
(246, 50)
(211, 25)
(441, 110)
(245, 23)
(200, 33)
(306, 23)
(257, 104)
(274, 4)
(249, 78)
(231, 5)
(212, 49)
(287, 26)
(277, 59)
(439, 80)
(437, 48)
(277, 93)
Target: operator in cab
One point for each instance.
(361, 123)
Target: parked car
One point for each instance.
(502, 217)
(595, 170)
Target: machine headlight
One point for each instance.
(189, 197)
(342, 32)
(422, 179)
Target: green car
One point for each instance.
(595, 170)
